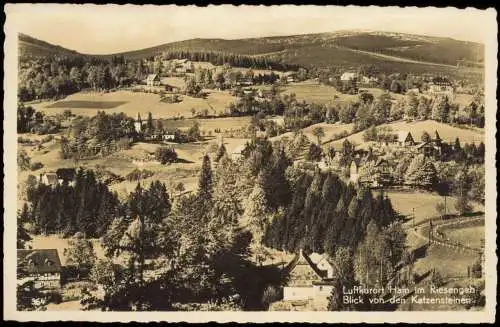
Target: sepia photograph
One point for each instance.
(212, 161)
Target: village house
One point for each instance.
(431, 148)
(41, 266)
(289, 77)
(354, 170)
(237, 153)
(168, 137)
(377, 175)
(153, 80)
(440, 86)
(349, 81)
(66, 176)
(172, 88)
(248, 91)
(245, 81)
(182, 66)
(62, 176)
(309, 277)
(348, 77)
(49, 178)
(138, 123)
(404, 138)
(368, 81)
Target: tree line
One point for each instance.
(88, 207)
(325, 213)
(237, 60)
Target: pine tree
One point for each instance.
(421, 172)
(411, 108)
(343, 263)
(440, 109)
(423, 108)
(205, 186)
(221, 151)
(23, 238)
(149, 125)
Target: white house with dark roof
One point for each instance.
(309, 277)
(348, 76)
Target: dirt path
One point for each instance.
(394, 58)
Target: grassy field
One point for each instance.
(448, 262)
(447, 133)
(138, 102)
(225, 124)
(424, 204)
(329, 129)
(86, 104)
(311, 91)
(469, 236)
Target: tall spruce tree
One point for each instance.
(205, 183)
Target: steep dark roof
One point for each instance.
(39, 261)
(302, 258)
(66, 174)
(51, 178)
(357, 161)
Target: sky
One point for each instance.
(105, 29)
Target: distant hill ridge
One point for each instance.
(321, 49)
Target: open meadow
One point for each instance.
(424, 204)
(470, 236)
(132, 103)
(330, 131)
(313, 92)
(416, 128)
(210, 124)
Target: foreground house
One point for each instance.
(309, 277)
(42, 267)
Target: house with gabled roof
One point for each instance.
(404, 138)
(153, 80)
(40, 266)
(308, 277)
(354, 169)
(49, 179)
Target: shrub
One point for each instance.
(55, 297)
(36, 165)
(47, 138)
(165, 155)
(24, 140)
(314, 153)
(23, 160)
(137, 174)
(271, 294)
(476, 269)
(436, 279)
